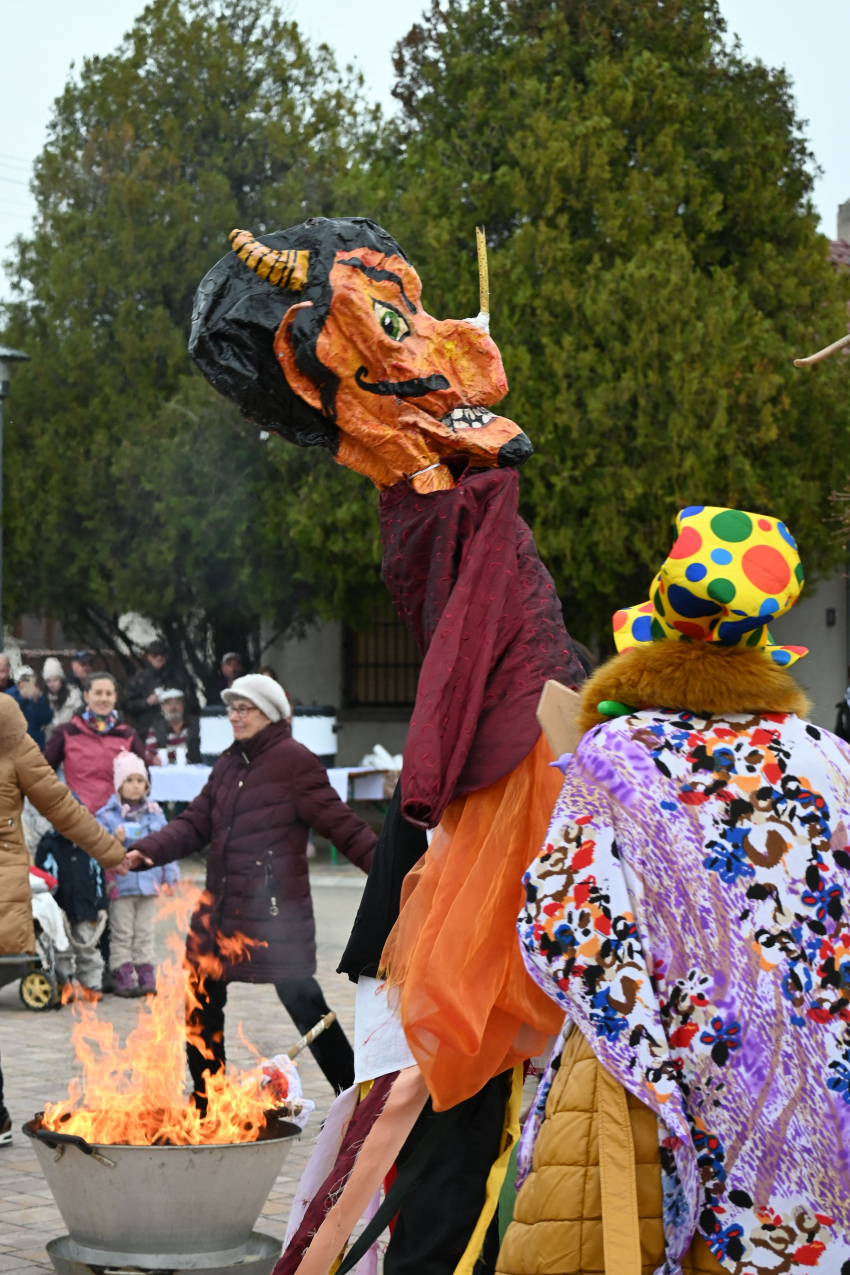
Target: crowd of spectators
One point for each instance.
(158, 707)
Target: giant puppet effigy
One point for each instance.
(319, 334)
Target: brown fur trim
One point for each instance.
(698, 676)
(13, 724)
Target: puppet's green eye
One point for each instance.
(393, 324)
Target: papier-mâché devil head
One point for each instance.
(318, 333)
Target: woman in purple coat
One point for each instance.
(255, 812)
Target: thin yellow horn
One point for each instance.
(283, 269)
(483, 272)
(825, 353)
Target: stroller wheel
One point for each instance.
(39, 990)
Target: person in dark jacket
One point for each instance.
(842, 720)
(34, 706)
(264, 794)
(173, 728)
(160, 670)
(81, 894)
(82, 666)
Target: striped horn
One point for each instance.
(283, 269)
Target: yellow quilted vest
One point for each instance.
(571, 1209)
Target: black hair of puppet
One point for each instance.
(236, 315)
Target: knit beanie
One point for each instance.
(52, 668)
(126, 764)
(268, 695)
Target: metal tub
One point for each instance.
(160, 1208)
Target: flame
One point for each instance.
(134, 1093)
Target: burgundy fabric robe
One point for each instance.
(464, 575)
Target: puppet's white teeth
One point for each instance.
(468, 418)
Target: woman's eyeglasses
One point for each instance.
(241, 710)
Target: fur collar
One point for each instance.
(697, 676)
(13, 724)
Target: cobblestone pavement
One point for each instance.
(38, 1062)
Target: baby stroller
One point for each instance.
(39, 989)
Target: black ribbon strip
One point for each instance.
(405, 1179)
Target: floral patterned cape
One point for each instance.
(689, 911)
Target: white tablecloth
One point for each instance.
(366, 784)
(182, 783)
(177, 783)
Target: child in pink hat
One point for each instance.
(130, 815)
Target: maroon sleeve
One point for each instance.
(136, 745)
(54, 749)
(319, 807)
(185, 835)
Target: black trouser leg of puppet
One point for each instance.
(205, 1022)
(439, 1213)
(304, 1002)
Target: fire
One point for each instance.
(135, 1093)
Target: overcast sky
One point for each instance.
(810, 39)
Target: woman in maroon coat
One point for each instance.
(255, 812)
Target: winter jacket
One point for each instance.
(25, 773)
(160, 730)
(87, 757)
(37, 712)
(255, 812)
(564, 1207)
(63, 712)
(150, 817)
(81, 893)
(144, 682)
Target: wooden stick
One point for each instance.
(483, 272)
(321, 1026)
(825, 353)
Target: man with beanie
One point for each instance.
(264, 794)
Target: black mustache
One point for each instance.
(419, 386)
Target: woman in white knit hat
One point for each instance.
(63, 697)
(255, 812)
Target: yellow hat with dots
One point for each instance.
(728, 575)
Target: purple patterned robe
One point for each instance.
(690, 912)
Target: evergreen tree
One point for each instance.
(655, 267)
(211, 114)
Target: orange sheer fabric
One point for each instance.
(469, 1009)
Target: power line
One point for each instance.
(16, 159)
(12, 182)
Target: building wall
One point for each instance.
(311, 669)
(823, 672)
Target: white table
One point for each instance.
(183, 783)
(357, 783)
(177, 783)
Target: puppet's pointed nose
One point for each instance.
(515, 451)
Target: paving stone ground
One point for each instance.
(38, 1062)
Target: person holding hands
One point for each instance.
(264, 794)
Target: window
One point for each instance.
(382, 664)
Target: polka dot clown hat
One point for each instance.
(728, 575)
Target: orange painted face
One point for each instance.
(411, 390)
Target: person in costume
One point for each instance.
(319, 333)
(688, 910)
